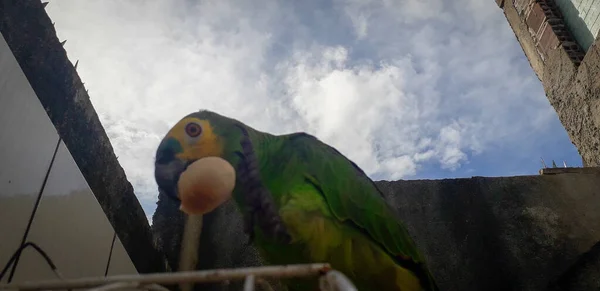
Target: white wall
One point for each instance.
(36, 168)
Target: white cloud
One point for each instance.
(415, 82)
(350, 107)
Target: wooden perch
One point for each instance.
(217, 275)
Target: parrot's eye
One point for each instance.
(193, 129)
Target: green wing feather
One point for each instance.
(354, 199)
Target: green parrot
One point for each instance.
(302, 202)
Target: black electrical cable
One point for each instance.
(35, 207)
(18, 252)
(112, 245)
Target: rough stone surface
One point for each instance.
(510, 233)
(31, 36)
(583, 275)
(575, 95)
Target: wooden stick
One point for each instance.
(154, 287)
(264, 285)
(287, 271)
(335, 280)
(249, 284)
(129, 286)
(116, 286)
(190, 241)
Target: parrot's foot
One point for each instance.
(261, 208)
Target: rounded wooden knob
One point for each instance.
(205, 184)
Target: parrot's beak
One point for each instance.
(168, 168)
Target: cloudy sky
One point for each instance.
(408, 89)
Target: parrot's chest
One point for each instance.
(296, 252)
(317, 237)
(307, 219)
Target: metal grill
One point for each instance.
(329, 279)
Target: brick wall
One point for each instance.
(559, 29)
(547, 28)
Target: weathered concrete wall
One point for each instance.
(572, 85)
(511, 233)
(583, 274)
(32, 38)
(575, 95)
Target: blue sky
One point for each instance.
(408, 89)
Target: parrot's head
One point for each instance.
(196, 136)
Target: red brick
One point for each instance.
(520, 5)
(548, 40)
(535, 18)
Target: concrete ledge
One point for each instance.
(570, 170)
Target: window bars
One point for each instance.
(329, 279)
